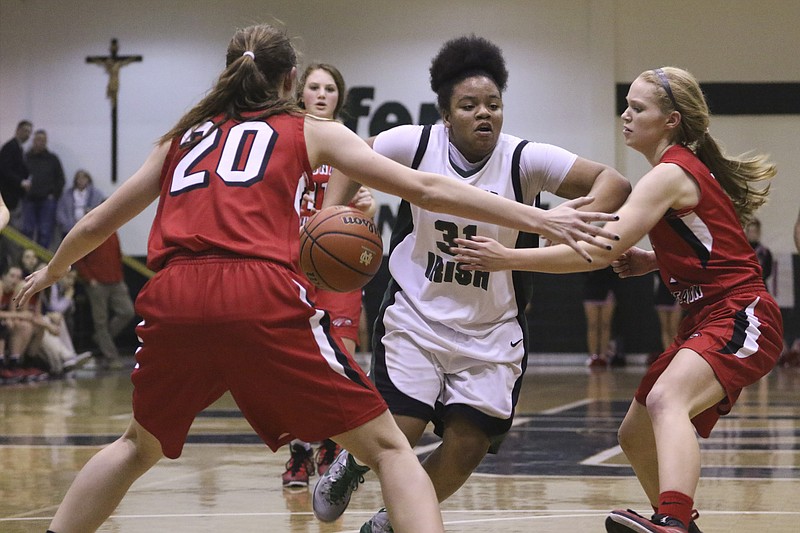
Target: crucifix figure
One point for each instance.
(112, 64)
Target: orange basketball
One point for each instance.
(340, 249)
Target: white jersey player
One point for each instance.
(450, 344)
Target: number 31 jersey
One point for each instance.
(420, 261)
(237, 190)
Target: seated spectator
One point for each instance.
(52, 343)
(61, 300)
(16, 331)
(28, 262)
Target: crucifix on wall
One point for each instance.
(112, 64)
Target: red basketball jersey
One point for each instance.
(702, 253)
(236, 190)
(316, 188)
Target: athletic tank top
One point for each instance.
(702, 252)
(238, 190)
(420, 261)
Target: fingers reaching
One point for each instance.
(39, 280)
(566, 225)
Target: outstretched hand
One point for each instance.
(481, 253)
(564, 224)
(634, 262)
(36, 282)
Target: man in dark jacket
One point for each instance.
(47, 183)
(13, 170)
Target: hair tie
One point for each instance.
(249, 53)
(665, 84)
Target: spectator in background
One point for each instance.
(43, 191)
(28, 261)
(52, 342)
(76, 201)
(599, 303)
(669, 314)
(753, 232)
(797, 233)
(791, 353)
(61, 300)
(13, 170)
(109, 298)
(16, 330)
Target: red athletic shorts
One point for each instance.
(215, 324)
(741, 338)
(344, 309)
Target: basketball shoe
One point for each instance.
(299, 467)
(379, 523)
(10, 372)
(629, 521)
(327, 452)
(597, 361)
(333, 490)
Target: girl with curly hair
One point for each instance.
(450, 346)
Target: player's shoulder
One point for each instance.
(323, 128)
(402, 132)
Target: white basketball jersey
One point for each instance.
(420, 261)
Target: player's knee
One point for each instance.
(660, 399)
(147, 448)
(626, 437)
(465, 452)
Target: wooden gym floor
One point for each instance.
(559, 470)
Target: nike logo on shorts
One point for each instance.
(514, 344)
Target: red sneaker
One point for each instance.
(597, 361)
(34, 374)
(326, 454)
(11, 375)
(298, 468)
(620, 521)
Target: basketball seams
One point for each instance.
(312, 224)
(329, 253)
(331, 256)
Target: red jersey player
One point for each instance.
(692, 205)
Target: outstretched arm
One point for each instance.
(342, 189)
(332, 143)
(663, 187)
(97, 225)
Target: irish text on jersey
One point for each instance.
(440, 270)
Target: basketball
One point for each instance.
(340, 249)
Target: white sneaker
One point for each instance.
(77, 361)
(333, 490)
(379, 523)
